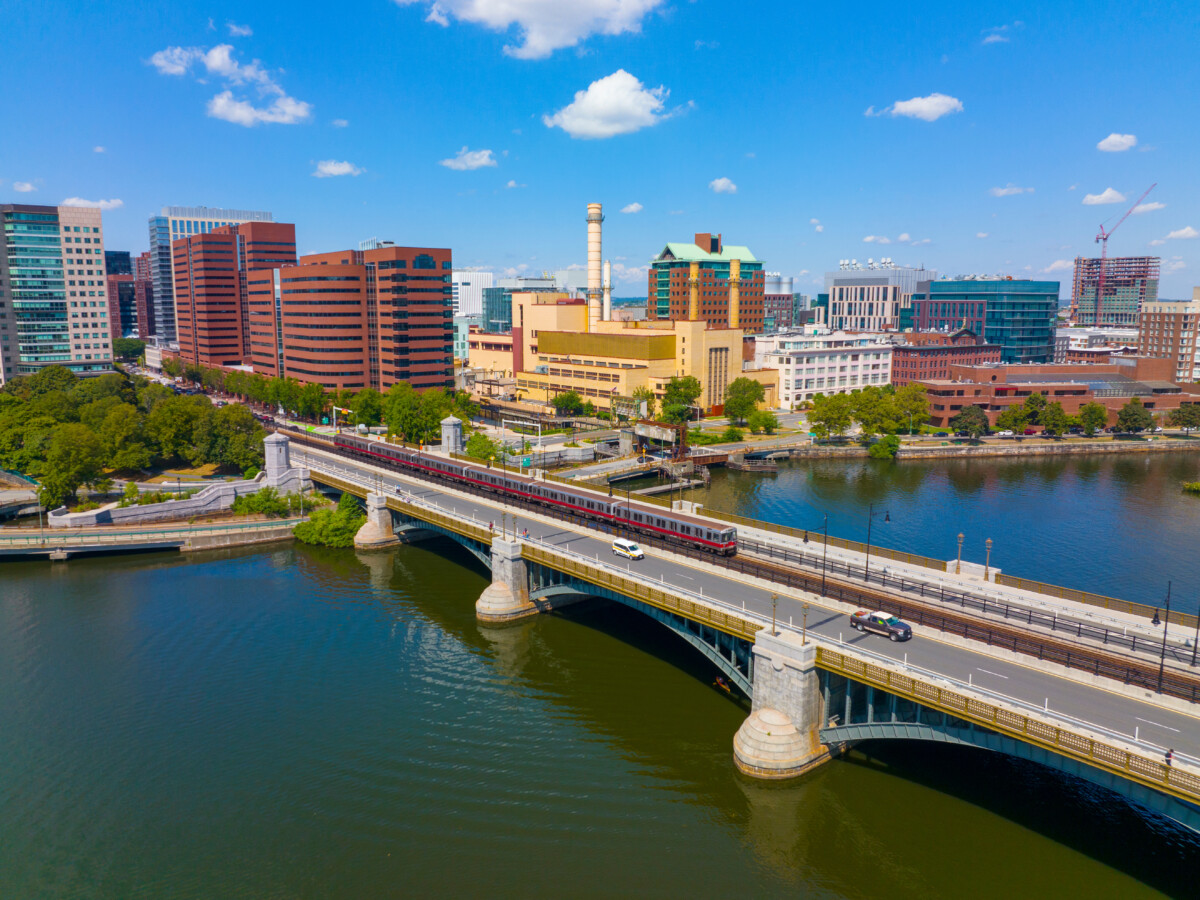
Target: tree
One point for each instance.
(762, 420)
(972, 420)
(679, 396)
(74, 458)
(1055, 419)
(1035, 404)
(874, 410)
(172, 366)
(1092, 417)
(310, 401)
(742, 397)
(645, 395)
(122, 437)
(830, 415)
(885, 448)
(912, 406)
(333, 527)
(415, 417)
(1134, 416)
(568, 403)
(366, 406)
(128, 348)
(732, 434)
(170, 426)
(481, 446)
(1014, 418)
(1186, 417)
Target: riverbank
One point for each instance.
(1005, 449)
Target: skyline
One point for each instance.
(1006, 137)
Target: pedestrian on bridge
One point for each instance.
(1170, 756)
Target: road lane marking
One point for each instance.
(1156, 725)
(986, 671)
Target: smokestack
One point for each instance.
(694, 292)
(607, 291)
(594, 218)
(735, 292)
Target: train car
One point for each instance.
(668, 525)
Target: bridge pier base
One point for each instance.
(377, 532)
(781, 738)
(506, 599)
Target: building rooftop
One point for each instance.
(691, 252)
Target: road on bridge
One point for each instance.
(1027, 684)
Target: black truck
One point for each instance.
(881, 623)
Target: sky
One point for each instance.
(971, 138)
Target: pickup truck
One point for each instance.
(881, 623)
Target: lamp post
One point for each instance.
(825, 555)
(1196, 640)
(871, 514)
(774, 609)
(958, 562)
(804, 628)
(987, 565)
(1162, 659)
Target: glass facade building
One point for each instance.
(1017, 315)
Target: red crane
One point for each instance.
(1102, 240)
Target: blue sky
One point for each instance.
(967, 137)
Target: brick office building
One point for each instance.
(356, 318)
(930, 355)
(211, 308)
(729, 283)
(143, 295)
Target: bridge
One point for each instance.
(816, 686)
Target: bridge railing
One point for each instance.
(58, 537)
(1154, 773)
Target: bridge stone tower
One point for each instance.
(377, 532)
(780, 738)
(506, 599)
(452, 440)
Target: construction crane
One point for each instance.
(1102, 240)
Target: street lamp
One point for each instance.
(871, 514)
(988, 561)
(804, 629)
(958, 563)
(825, 555)
(1162, 660)
(774, 608)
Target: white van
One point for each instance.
(628, 549)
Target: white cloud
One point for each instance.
(616, 104)
(467, 160)
(93, 204)
(1148, 207)
(98, 149)
(544, 25)
(904, 238)
(632, 274)
(513, 184)
(632, 208)
(927, 109)
(282, 111)
(995, 38)
(707, 45)
(1158, 242)
(25, 187)
(1060, 265)
(922, 241)
(239, 30)
(981, 234)
(817, 226)
(1117, 143)
(331, 168)
(339, 123)
(804, 272)
(1176, 263)
(1108, 196)
(1009, 190)
(219, 62)
(819, 229)
(1072, 187)
(722, 186)
(1183, 234)
(876, 239)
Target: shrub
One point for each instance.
(732, 434)
(885, 448)
(1191, 487)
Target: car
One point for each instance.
(1158, 430)
(628, 549)
(879, 622)
(1030, 431)
(962, 434)
(941, 434)
(1004, 434)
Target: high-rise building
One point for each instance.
(469, 285)
(212, 315)
(356, 318)
(871, 297)
(53, 300)
(779, 304)
(707, 281)
(122, 306)
(172, 223)
(117, 262)
(1018, 315)
(498, 300)
(143, 292)
(1129, 282)
(1168, 331)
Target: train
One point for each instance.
(622, 513)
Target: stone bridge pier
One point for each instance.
(506, 599)
(780, 739)
(378, 531)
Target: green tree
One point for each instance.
(1134, 416)
(646, 395)
(885, 448)
(1055, 419)
(972, 420)
(414, 416)
(74, 457)
(874, 409)
(1092, 417)
(732, 434)
(57, 405)
(1186, 417)
(170, 426)
(228, 436)
(830, 415)
(333, 527)
(128, 348)
(568, 403)
(762, 420)
(911, 406)
(367, 406)
(481, 446)
(122, 437)
(679, 396)
(742, 397)
(172, 367)
(1013, 419)
(1035, 404)
(311, 401)
(114, 384)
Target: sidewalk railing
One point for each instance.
(58, 538)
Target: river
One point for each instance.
(1114, 524)
(294, 722)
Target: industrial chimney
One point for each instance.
(693, 291)
(594, 291)
(735, 292)
(607, 291)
